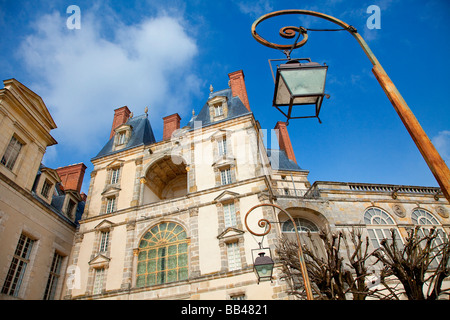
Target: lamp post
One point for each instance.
(434, 161)
(263, 264)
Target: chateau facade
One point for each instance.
(165, 219)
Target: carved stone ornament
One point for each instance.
(442, 211)
(399, 210)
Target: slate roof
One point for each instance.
(279, 161)
(235, 109)
(141, 134)
(57, 200)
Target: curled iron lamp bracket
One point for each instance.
(290, 32)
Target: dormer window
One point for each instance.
(121, 139)
(70, 208)
(122, 136)
(218, 108)
(46, 187)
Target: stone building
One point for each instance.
(39, 206)
(164, 219)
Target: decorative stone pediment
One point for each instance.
(219, 134)
(99, 261)
(226, 196)
(230, 233)
(115, 163)
(110, 191)
(223, 161)
(105, 224)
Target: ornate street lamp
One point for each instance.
(299, 83)
(435, 162)
(262, 266)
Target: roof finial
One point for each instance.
(193, 112)
(211, 89)
(146, 111)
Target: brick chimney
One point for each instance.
(121, 115)
(171, 123)
(284, 141)
(238, 88)
(72, 176)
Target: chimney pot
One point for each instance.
(171, 123)
(238, 88)
(72, 176)
(284, 141)
(121, 115)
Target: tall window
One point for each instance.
(379, 223)
(163, 255)
(114, 175)
(110, 204)
(225, 176)
(222, 144)
(18, 266)
(11, 153)
(46, 188)
(229, 213)
(99, 278)
(234, 256)
(104, 239)
(427, 221)
(53, 277)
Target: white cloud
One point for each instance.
(83, 75)
(442, 144)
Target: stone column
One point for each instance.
(129, 256)
(137, 183)
(194, 245)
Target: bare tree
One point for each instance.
(332, 276)
(421, 264)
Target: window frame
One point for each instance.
(104, 241)
(53, 277)
(8, 154)
(234, 258)
(222, 147)
(99, 280)
(110, 204)
(18, 267)
(379, 227)
(229, 216)
(163, 254)
(46, 187)
(225, 176)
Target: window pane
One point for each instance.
(166, 254)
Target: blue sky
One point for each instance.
(165, 55)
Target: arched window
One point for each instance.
(427, 221)
(379, 224)
(163, 255)
(303, 225)
(422, 217)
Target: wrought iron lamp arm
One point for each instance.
(263, 223)
(433, 159)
